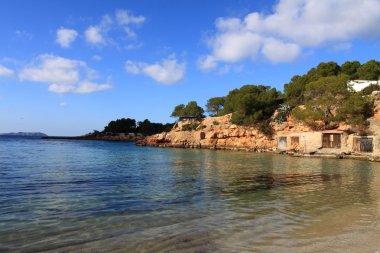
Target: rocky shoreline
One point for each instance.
(363, 157)
(219, 133)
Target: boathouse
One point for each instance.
(308, 142)
(328, 142)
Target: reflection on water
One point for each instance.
(67, 196)
(271, 181)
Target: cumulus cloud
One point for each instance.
(62, 75)
(4, 71)
(293, 25)
(126, 19)
(121, 20)
(277, 51)
(167, 71)
(235, 46)
(314, 22)
(207, 63)
(94, 35)
(66, 36)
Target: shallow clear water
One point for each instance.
(89, 196)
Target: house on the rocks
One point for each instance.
(358, 85)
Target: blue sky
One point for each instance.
(69, 67)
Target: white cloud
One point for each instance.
(91, 87)
(207, 63)
(121, 20)
(125, 17)
(235, 46)
(168, 71)
(66, 36)
(4, 71)
(314, 22)
(94, 35)
(62, 75)
(63, 104)
(292, 26)
(277, 51)
(132, 67)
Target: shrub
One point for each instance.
(190, 127)
(282, 113)
(200, 126)
(266, 128)
(369, 89)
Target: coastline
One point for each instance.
(94, 138)
(332, 155)
(289, 138)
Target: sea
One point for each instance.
(97, 196)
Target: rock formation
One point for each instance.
(220, 133)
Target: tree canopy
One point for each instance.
(121, 126)
(129, 126)
(350, 68)
(149, 128)
(252, 103)
(295, 89)
(329, 101)
(178, 111)
(190, 110)
(215, 105)
(325, 69)
(369, 71)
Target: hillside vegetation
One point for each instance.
(320, 98)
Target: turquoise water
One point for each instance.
(90, 196)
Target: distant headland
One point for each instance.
(24, 134)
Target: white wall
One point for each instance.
(359, 85)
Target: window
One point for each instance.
(294, 140)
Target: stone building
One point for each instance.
(329, 142)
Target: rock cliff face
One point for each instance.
(374, 126)
(220, 133)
